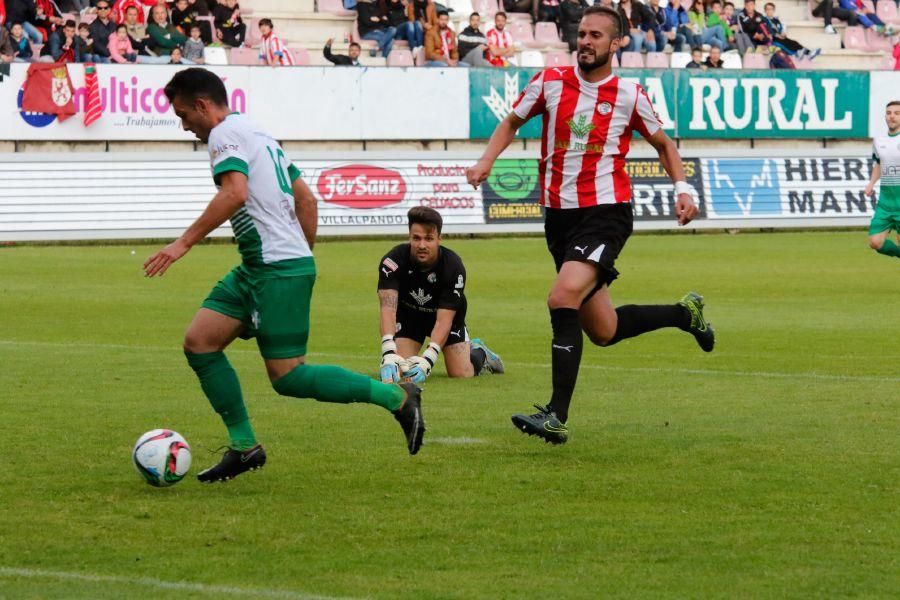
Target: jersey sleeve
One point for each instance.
(454, 288)
(875, 156)
(644, 119)
(531, 102)
(227, 152)
(389, 270)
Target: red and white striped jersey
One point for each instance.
(587, 133)
(273, 51)
(500, 39)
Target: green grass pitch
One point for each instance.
(769, 468)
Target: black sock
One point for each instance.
(635, 320)
(477, 356)
(566, 357)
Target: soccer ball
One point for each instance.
(162, 457)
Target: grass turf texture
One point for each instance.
(768, 468)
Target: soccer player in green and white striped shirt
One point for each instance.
(273, 215)
(886, 154)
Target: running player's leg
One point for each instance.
(283, 309)
(880, 228)
(606, 325)
(214, 327)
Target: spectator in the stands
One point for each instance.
(424, 12)
(163, 35)
(65, 46)
(827, 11)
(372, 23)
(101, 28)
(177, 58)
(440, 44)
(351, 60)
(272, 50)
(23, 12)
(473, 44)
(500, 42)
(518, 6)
(119, 10)
(897, 56)
(779, 39)
(712, 35)
(197, 9)
(137, 31)
(714, 59)
(87, 43)
(696, 60)
(402, 17)
(230, 28)
(6, 49)
(639, 25)
(194, 46)
(20, 44)
(738, 38)
(119, 45)
(715, 18)
(48, 18)
(754, 25)
(867, 19)
(678, 28)
(548, 10)
(570, 13)
(181, 16)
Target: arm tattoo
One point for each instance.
(388, 298)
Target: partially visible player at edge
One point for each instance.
(589, 115)
(268, 295)
(886, 154)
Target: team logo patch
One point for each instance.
(390, 264)
(604, 108)
(432, 277)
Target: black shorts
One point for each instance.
(593, 234)
(417, 325)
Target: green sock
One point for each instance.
(889, 248)
(220, 384)
(327, 383)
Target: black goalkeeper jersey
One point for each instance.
(441, 286)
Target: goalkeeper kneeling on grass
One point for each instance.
(421, 288)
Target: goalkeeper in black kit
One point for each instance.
(421, 290)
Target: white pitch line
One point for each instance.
(218, 590)
(455, 441)
(660, 370)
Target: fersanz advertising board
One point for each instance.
(324, 103)
(109, 197)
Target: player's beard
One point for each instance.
(600, 60)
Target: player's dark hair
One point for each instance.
(474, 14)
(613, 14)
(355, 44)
(422, 215)
(267, 22)
(893, 103)
(500, 13)
(194, 83)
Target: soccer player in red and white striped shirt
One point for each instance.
(589, 116)
(271, 49)
(500, 42)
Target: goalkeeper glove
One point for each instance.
(391, 362)
(420, 366)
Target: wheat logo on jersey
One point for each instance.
(420, 296)
(604, 108)
(582, 127)
(388, 267)
(432, 277)
(361, 186)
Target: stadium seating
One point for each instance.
(523, 34)
(486, 8)
(878, 42)
(657, 60)
(244, 56)
(752, 60)
(556, 58)
(400, 57)
(680, 59)
(419, 56)
(300, 56)
(545, 33)
(730, 60)
(531, 58)
(632, 60)
(855, 37)
(215, 55)
(335, 7)
(887, 12)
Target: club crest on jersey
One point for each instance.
(432, 277)
(420, 296)
(604, 108)
(582, 127)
